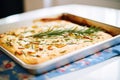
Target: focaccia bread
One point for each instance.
(46, 40)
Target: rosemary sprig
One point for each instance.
(60, 32)
(89, 30)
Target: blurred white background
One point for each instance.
(37, 4)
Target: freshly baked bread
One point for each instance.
(46, 40)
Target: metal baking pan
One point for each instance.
(71, 57)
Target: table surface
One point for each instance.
(10, 70)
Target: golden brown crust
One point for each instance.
(33, 50)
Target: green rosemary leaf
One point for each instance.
(89, 30)
(60, 32)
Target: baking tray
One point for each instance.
(73, 56)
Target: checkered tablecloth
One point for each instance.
(10, 70)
